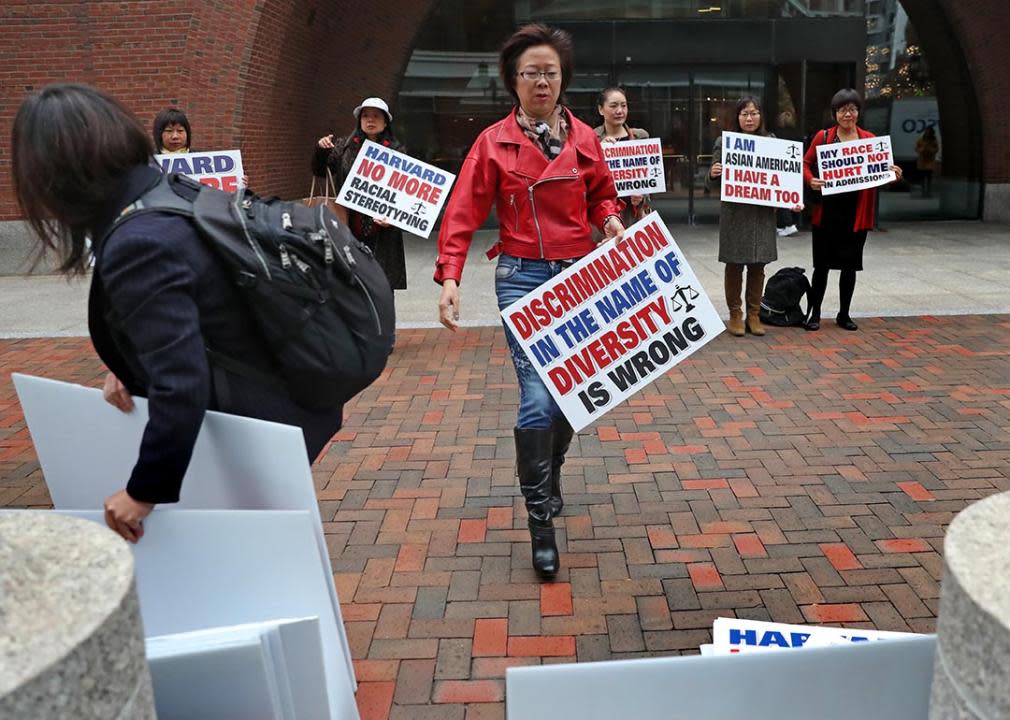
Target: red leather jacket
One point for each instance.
(544, 207)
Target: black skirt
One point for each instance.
(836, 245)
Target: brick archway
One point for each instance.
(272, 76)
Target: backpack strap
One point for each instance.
(173, 195)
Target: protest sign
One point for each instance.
(637, 166)
(733, 635)
(857, 680)
(855, 165)
(87, 450)
(202, 569)
(613, 322)
(256, 671)
(394, 187)
(759, 170)
(221, 169)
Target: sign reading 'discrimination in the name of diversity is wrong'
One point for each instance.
(855, 165)
(637, 166)
(614, 322)
(758, 170)
(391, 186)
(221, 169)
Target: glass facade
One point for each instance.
(684, 64)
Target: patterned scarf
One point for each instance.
(549, 136)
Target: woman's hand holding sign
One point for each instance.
(716, 170)
(613, 228)
(448, 305)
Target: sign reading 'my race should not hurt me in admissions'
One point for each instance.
(759, 170)
(614, 322)
(394, 187)
(637, 166)
(855, 165)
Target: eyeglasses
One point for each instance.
(848, 110)
(750, 114)
(534, 75)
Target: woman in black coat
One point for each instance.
(375, 123)
(159, 297)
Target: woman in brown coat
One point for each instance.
(612, 104)
(747, 235)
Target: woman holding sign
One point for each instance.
(544, 172)
(375, 123)
(612, 104)
(840, 221)
(747, 236)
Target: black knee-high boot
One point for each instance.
(534, 456)
(562, 440)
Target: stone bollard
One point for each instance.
(71, 640)
(971, 673)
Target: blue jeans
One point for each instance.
(513, 278)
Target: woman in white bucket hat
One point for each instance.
(375, 123)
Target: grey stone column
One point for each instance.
(71, 641)
(971, 674)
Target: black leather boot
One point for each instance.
(561, 442)
(534, 453)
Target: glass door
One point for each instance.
(714, 95)
(659, 101)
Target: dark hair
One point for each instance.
(531, 36)
(71, 145)
(171, 116)
(846, 97)
(602, 97)
(741, 104)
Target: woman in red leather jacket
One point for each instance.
(544, 171)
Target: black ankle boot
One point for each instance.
(545, 550)
(813, 323)
(534, 457)
(562, 440)
(846, 323)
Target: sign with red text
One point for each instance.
(613, 322)
(637, 166)
(855, 165)
(388, 185)
(221, 169)
(759, 170)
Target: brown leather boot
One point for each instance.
(755, 288)
(734, 282)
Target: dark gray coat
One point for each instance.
(746, 232)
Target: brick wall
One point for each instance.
(271, 76)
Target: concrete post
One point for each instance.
(971, 673)
(71, 640)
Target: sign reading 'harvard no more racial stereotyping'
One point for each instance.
(855, 165)
(221, 169)
(391, 186)
(614, 322)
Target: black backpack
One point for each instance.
(320, 300)
(781, 302)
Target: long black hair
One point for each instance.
(170, 116)
(71, 145)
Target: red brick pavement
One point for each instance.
(803, 477)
